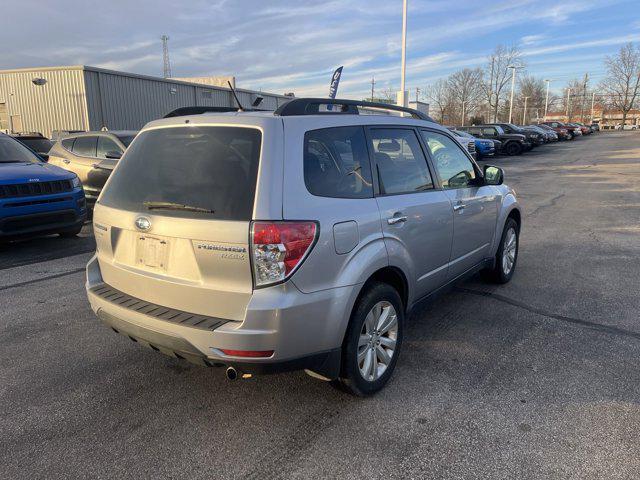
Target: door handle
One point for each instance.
(394, 220)
(460, 206)
(66, 161)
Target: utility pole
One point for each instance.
(165, 56)
(463, 115)
(404, 53)
(593, 101)
(493, 61)
(513, 86)
(373, 84)
(524, 113)
(584, 96)
(546, 101)
(568, 100)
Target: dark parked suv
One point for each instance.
(533, 138)
(92, 156)
(512, 143)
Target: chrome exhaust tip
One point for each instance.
(232, 373)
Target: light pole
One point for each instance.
(568, 100)
(463, 103)
(404, 52)
(513, 86)
(524, 113)
(546, 101)
(593, 101)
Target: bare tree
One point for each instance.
(465, 89)
(386, 95)
(439, 95)
(534, 90)
(497, 75)
(622, 83)
(574, 98)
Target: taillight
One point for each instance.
(278, 248)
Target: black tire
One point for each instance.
(513, 149)
(498, 274)
(351, 380)
(70, 233)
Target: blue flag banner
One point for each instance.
(333, 87)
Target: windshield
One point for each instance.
(12, 151)
(126, 139)
(188, 171)
(40, 145)
(463, 134)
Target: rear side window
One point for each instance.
(85, 146)
(402, 167)
(211, 170)
(336, 163)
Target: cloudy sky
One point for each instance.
(283, 46)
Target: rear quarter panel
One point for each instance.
(325, 268)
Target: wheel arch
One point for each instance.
(392, 276)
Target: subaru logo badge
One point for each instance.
(143, 223)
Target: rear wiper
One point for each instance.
(175, 206)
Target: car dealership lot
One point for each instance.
(536, 378)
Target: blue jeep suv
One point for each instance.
(36, 198)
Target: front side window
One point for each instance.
(68, 143)
(126, 139)
(201, 172)
(452, 164)
(85, 146)
(336, 163)
(402, 167)
(106, 145)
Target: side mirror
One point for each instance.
(493, 175)
(114, 155)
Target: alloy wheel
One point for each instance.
(377, 341)
(509, 251)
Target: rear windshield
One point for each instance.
(40, 145)
(211, 170)
(12, 151)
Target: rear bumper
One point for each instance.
(305, 331)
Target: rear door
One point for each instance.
(475, 208)
(172, 223)
(106, 147)
(417, 220)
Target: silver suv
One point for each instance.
(294, 239)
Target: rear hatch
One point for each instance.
(172, 225)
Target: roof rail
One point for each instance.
(311, 106)
(179, 112)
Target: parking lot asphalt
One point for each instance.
(535, 379)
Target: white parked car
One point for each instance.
(619, 126)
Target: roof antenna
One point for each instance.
(233, 90)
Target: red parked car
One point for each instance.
(563, 132)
